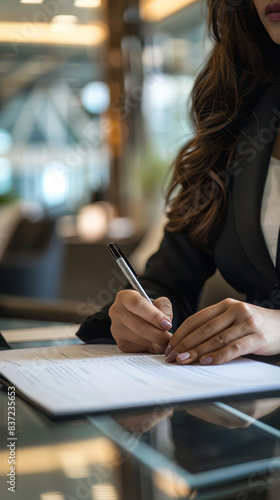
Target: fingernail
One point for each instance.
(183, 356)
(168, 349)
(171, 357)
(166, 324)
(206, 361)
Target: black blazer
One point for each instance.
(179, 269)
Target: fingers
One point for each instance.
(165, 306)
(126, 346)
(217, 415)
(240, 347)
(139, 306)
(139, 326)
(216, 335)
(132, 302)
(199, 328)
(228, 345)
(209, 335)
(202, 325)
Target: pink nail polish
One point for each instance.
(171, 357)
(183, 356)
(166, 324)
(168, 349)
(206, 361)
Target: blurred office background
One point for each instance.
(93, 109)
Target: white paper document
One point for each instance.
(81, 379)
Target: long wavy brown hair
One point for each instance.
(239, 65)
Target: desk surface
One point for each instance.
(212, 451)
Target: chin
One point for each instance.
(274, 34)
(275, 38)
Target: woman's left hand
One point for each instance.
(225, 331)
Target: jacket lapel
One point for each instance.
(249, 176)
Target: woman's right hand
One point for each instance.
(139, 326)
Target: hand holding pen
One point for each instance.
(139, 324)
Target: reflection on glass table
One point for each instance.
(217, 450)
(56, 461)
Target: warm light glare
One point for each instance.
(48, 458)
(156, 10)
(74, 464)
(62, 24)
(87, 4)
(171, 484)
(44, 34)
(52, 495)
(92, 222)
(65, 19)
(104, 492)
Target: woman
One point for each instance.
(224, 208)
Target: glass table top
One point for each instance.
(209, 444)
(208, 451)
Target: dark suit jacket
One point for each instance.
(179, 269)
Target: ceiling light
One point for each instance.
(95, 97)
(156, 10)
(31, 1)
(62, 24)
(87, 4)
(65, 19)
(48, 34)
(55, 183)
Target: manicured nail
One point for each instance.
(166, 324)
(171, 357)
(168, 349)
(183, 356)
(206, 361)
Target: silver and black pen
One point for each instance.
(127, 269)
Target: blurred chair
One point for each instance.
(31, 262)
(13, 306)
(10, 215)
(45, 276)
(89, 271)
